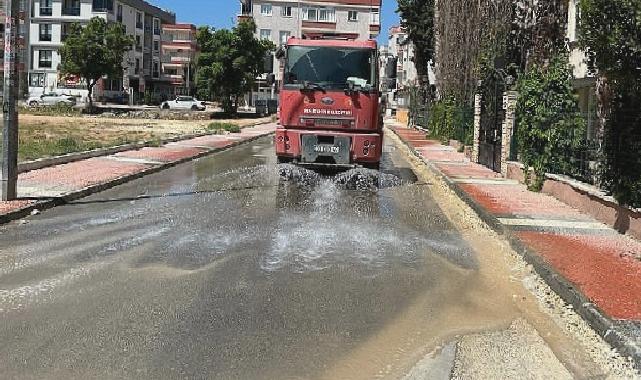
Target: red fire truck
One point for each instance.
(330, 112)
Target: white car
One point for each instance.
(183, 103)
(51, 99)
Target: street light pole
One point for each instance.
(9, 157)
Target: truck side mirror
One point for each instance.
(280, 52)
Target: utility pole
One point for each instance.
(9, 157)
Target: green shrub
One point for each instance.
(549, 124)
(448, 120)
(232, 128)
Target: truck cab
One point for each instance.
(329, 104)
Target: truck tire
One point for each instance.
(283, 160)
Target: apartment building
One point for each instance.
(50, 22)
(278, 20)
(397, 69)
(179, 54)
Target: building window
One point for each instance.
(265, 34)
(45, 59)
(138, 43)
(286, 11)
(119, 13)
(310, 14)
(284, 36)
(376, 17)
(37, 79)
(45, 32)
(139, 20)
(71, 8)
(352, 16)
(103, 5)
(156, 46)
(137, 70)
(266, 9)
(156, 27)
(326, 15)
(156, 71)
(46, 7)
(319, 14)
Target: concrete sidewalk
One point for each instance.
(44, 188)
(589, 264)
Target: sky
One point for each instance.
(222, 13)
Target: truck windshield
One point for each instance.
(328, 67)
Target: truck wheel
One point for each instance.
(284, 160)
(33, 104)
(373, 166)
(165, 106)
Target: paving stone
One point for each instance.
(606, 269)
(162, 154)
(80, 174)
(11, 206)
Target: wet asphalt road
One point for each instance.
(226, 268)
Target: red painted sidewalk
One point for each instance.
(76, 177)
(603, 265)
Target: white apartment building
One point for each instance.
(400, 47)
(278, 20)
(50, 21)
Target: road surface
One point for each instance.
(231, 267)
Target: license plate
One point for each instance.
(333, 149)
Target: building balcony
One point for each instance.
(319, 25)
(244, 17)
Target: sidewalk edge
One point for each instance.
(46, 204)
(597, 320)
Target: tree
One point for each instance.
(95, 51)
(549, 125)
(610, 34)
(229, 62)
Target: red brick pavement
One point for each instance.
(470, 170)
(163, 154)
(80, 174)
(606, 267)
(505, 200)
(603, 267)
(208, 141)
(7, 207)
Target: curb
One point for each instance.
(42, 163)
(596, 318)
(84, 192)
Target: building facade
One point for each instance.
(398, 69)
(179, 54)
(278, 20)
(50, 22)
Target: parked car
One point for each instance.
(184, 103)
(51, 99)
